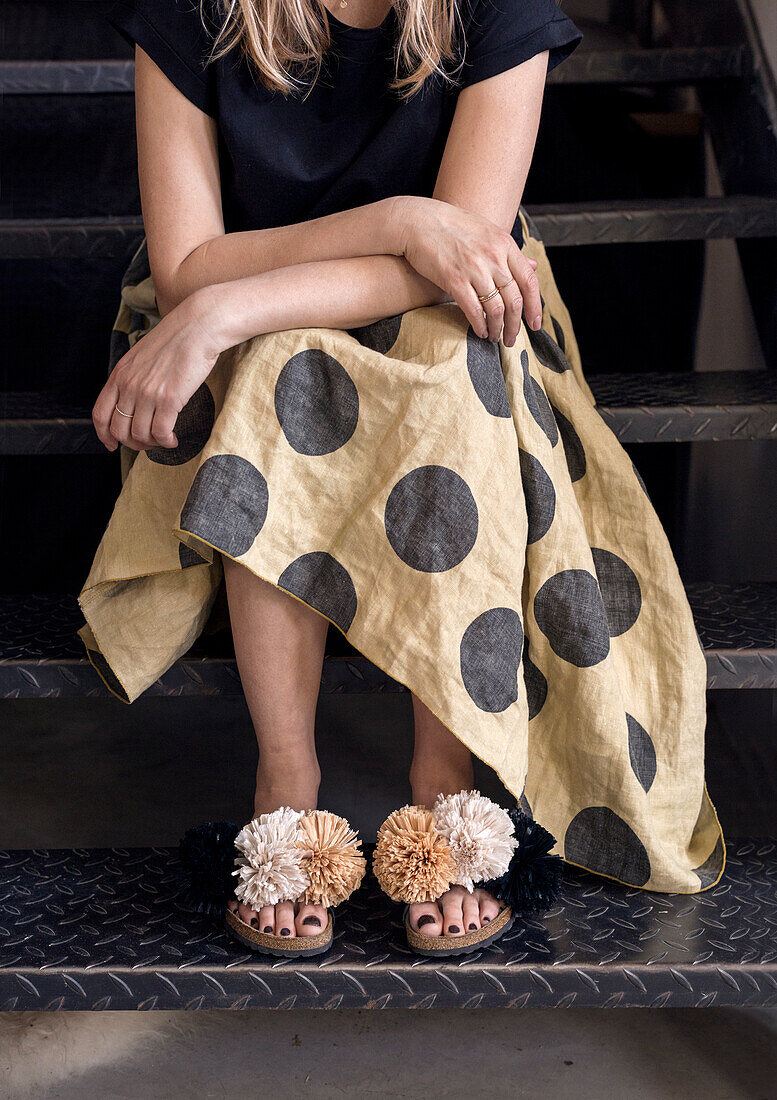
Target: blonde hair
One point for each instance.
(277, 36)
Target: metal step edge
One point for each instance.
(109, 929)
(558, 224)
(639, 408)
(41, 654)
(672, 65)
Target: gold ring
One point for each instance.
(118, 410)
(491, 293)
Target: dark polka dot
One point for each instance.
(188, 557)
(316, 403)
(431, 519)
(560, 339)
(490, 656)
(119, 346)
(537, 402)
(107, 673)
(620, 590)
(226, 504)
(570, 613)
(709, 871)
(523, 802)
(642, 753)
(597, 838)
(540, 496)
(192, 429)
(536, 684)
(321, 581)
(485, 369)
(573, 448)
(547, 350)
(380, 335)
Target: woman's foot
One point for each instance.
(287, 918)
(443, 765)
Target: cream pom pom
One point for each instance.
(271, 868)
(480, 835)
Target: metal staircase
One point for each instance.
(106, 928)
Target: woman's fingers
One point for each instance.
(466, 297)
(121, 422)
(141, 423)
(102, 413)
(513, 300)
(162, 428)
(526, 277)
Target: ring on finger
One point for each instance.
(483, 298)
(122, 413)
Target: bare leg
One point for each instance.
(279, 646)
(443, 765)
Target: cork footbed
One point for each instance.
(437, 946)
(289, 946)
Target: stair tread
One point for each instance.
(41, 655)
(108, 929)
(578, 223)
(626, 64)
(651, 407)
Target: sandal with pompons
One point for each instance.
(287, 855)
(466, 840)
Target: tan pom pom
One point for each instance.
(331, 857)
(412, 862)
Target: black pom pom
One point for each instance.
(207, 853)
(531, 882)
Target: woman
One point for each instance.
(357, 382)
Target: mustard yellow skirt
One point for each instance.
(460, 511)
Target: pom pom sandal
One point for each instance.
(313, 857)
(470, 841)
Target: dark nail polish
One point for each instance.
(255, 921)
(472, 928)
(285, 931)
(427, 918)
(453, 929)
(312, 920)
(486, 919)
(267, 928)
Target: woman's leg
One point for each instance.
(279, 646)
(443, 765)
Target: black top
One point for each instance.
(351, 140)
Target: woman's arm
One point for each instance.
(181, 198)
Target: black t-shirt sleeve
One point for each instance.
(172, 33)
(500, 34)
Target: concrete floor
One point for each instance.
(588, 1054)
(96, 772)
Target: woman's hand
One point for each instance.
(469, 256)
(158, 375)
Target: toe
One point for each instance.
(489, 906)
(232, 905)
(426, 918)
(311, 920)
(471, 910)
(284, 919)
(267, 919)
(248, 915)
(453, 912)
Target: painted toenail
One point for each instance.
(267, 928)
(486, 919)
(285, 931)
(254, 921)
(427, 918)
(312, 920)
(472, 928)
(453, 928)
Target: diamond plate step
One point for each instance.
(674, 407)
(610, 222)
(42, 657)
(617, 66)
(106, 929)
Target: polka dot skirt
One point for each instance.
(461, 512)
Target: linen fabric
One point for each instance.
(350, 140)
(461, 512)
